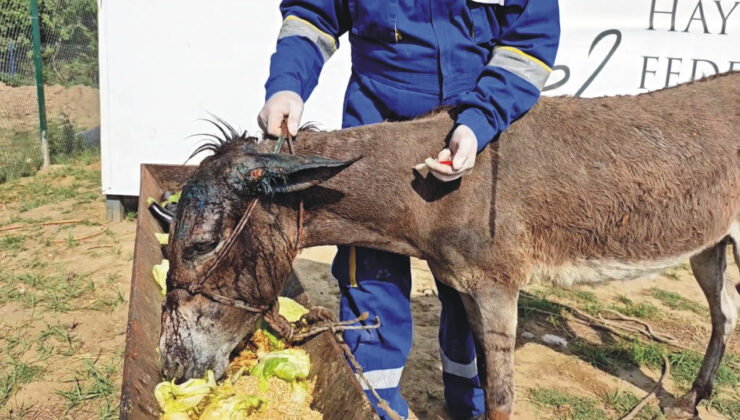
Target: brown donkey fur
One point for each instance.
(579, 190)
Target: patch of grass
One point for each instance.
(85, 158)
(108, 304)
(531, 305)
(20, 155)
(80, 173)
(643, 310)
(62, 334)
(63, 144)
(70, 241)
(44, 350)
(17, 344)
(685, 365)
(108, 410)
(13, 243)
(10, 293)
(619, 354)
(112, 278)
(622, 402)
(90, 384)
(56, 292)
(20, 373)
(672, 274)
(131, 216)
(625, 354)
(605, 357)
(59, 298)
(587, 301)
(82, 185)
(567, 406)
(726, 407)
(678, 302)
(37, 263)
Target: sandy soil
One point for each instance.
(80, 250)
(81, 104)
(78, 313)
(537, 365)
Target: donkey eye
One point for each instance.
(200, 248)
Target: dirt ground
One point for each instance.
(63, 307)
(81, 104)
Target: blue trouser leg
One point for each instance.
(463, 392)
(383, 281)
(378, 283)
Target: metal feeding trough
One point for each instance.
(337, 395)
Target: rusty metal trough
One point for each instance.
(337, 394)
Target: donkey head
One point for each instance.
(199, 332)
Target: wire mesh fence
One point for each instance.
(69, 57)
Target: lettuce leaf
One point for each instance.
(162, 238)
(159, 272)
(175, 415)
(235, 407)
(273, 341)
(288, 365)
(290, 309)
(174, 199)
(173, 398)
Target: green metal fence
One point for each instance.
(48, 83)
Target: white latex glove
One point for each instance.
(462, 151)
(281, 105)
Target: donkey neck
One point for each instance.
(377, 201)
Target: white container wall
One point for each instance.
(166, 64)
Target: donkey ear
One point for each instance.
(281, 173)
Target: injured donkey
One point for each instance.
(579, 190)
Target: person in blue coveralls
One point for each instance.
(488, 58)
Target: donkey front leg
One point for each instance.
(492, 314)
(724, 302)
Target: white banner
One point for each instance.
(167, 64)
(633, 46)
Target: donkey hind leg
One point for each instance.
(736, 255)
(724, 303)
(493, 316)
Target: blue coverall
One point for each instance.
(490, 58)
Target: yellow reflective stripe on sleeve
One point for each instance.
(293, 25)
(529, 68)
(527, 56)
(352, 266)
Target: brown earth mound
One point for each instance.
(81, 104)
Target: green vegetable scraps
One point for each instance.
(159, 272)
(162, 238)
(288, 365)
(182, 398)
(265, 381)
(233, 407)
(290, 309)
(174, 199)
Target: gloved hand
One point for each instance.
(462, 152)
(282, 104)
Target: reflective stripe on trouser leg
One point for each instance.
(383, 289)
(463, 393)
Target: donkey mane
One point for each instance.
(229, 135)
